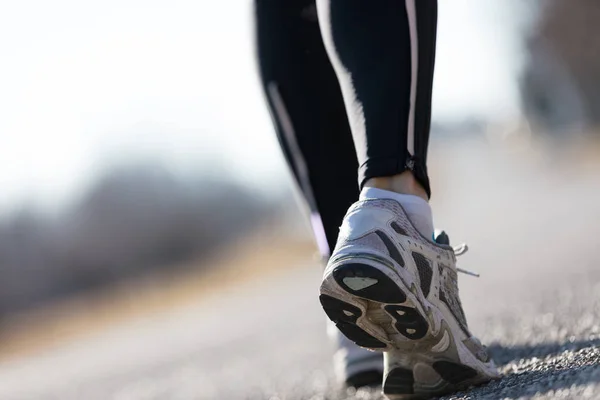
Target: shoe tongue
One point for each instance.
(441, 237)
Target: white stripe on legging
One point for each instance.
(414, 58)
(297, 159)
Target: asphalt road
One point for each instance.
(532, 222)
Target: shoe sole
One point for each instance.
(374, 308)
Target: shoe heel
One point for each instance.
(345, 317)
(368, 282)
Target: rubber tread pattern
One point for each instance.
(365, 378)
(384, 291)
(399, 381)
(334, 308)
(453, 372)
(408, 318)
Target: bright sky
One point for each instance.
(86, 84)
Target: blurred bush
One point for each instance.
(133, 220)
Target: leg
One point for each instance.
(389, 285)
(383, 53)
(308, 111)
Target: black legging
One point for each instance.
(366, 47)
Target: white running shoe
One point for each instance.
(388, 288)
(353, 365)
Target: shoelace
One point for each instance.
(459, 251)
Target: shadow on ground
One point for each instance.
(503, 355)
(541, 369)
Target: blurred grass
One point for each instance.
(265, 250)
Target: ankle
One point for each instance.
(404, 183)
(416, 208)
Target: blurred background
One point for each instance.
(139, 169)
